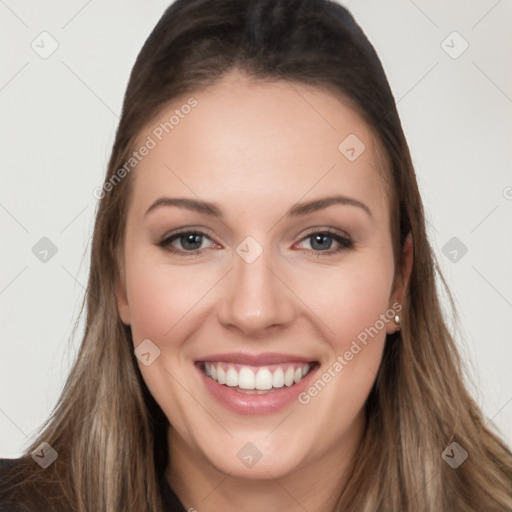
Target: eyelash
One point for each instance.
(344, 242)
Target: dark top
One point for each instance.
(170, 500)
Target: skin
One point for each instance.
(256, 149)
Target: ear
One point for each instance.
(402, 278)
(121, 295)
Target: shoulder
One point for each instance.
(8, 469)
(7, 464)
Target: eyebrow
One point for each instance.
(299, 209)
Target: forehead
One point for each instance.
(259, 143)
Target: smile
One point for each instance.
(256, 379)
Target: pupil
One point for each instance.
(318, 238)
(193, 239)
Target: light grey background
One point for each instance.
(58, 119)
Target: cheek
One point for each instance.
(355, 301)
(160, 297)
(161, 301)
(350, 298)
(361, 303)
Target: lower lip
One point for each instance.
(254, 404)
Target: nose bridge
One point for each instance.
(255, 298)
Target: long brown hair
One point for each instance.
(108, 431)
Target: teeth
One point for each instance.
(246, 379)
(221, 376)
(249, 379)
(263, 379)
(231, 377)
(288, 376)
(278, 378)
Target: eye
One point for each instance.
(189, 240)
(192, 240)
(322, 241)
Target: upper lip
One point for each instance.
(255, 359)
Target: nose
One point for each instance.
(256, 297)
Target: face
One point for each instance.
(262, 306)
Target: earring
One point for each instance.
(397, 321)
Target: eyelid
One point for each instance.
(323, 229)
(188, 229)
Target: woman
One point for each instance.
(263, 326)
